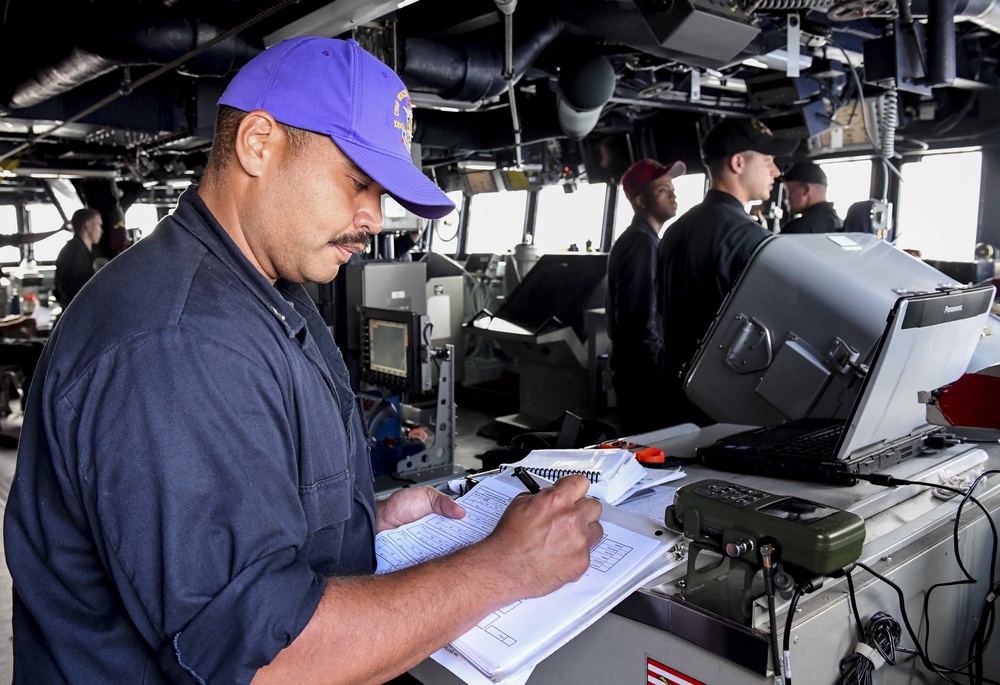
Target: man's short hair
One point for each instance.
(227, 123)
(805, 172)
(82, 216)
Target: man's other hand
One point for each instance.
(410, 504)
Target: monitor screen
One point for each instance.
(559, 286)
(389, 341)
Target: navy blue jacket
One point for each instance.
(191, 467)
(700, 257)
(630, 306)
(819, 218)
(74, 267)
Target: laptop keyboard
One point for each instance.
(819, 443)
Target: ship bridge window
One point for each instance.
(496, 221)
(848, 182)
(10, 255)
(939, 206)
(141, 217)
(445, 229)
(566, 219)
(690, 190)
(43, 218)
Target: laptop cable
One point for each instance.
(985, 624)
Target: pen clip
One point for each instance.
(529, 482)
(470, 483)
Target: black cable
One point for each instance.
(786, 642)
(881, 634)
(984, 629)
(930, 665)
(766, 553)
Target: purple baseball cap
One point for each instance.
(333, 87)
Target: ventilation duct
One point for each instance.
(468, 73)
(583, 91)
(158, 44)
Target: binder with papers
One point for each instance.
(508, 643)
(612, 472)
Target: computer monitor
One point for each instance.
(391, 342)
(559, 287)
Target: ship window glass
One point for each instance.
(43, 218)
(141, 217)
(939, 206)
(496, 221)
(848, 182)
(567, 219)
(445, 240)
(9, 254)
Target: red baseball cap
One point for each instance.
(645, 171)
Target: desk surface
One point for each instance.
(908, 536)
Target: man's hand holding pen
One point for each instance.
(544, 540)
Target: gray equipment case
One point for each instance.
(795, 335)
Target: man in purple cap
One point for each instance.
(633, 317)
(193, 499)
(705, 250)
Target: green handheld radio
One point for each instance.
(812, 536)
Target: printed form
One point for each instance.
(510, 638)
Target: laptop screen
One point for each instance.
(928, 342)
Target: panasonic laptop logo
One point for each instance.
(952, 310)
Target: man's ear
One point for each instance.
(256, 137)
(737, 163)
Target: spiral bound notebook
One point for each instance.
(611, 471)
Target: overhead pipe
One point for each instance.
(468, 73)
(156, 73)
(985, 13)
(941, 55)
(151, 45)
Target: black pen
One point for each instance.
(528, 481)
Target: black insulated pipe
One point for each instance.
(941, 59)
(468, 73)
(151, 45)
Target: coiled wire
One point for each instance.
(882, 633)
(889, 121)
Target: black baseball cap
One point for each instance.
(733, 136)
(804, 172)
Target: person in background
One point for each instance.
(704, 251)
(805, 183)
(631, 308)
(194, 499)
(75, 262)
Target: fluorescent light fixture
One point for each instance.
(477, 165)
(778, 60)
(333, 19)
(42, 172)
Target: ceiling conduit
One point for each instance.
(146, 46)
(468, 73)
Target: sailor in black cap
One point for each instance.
(806, 184)
(703, 252)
